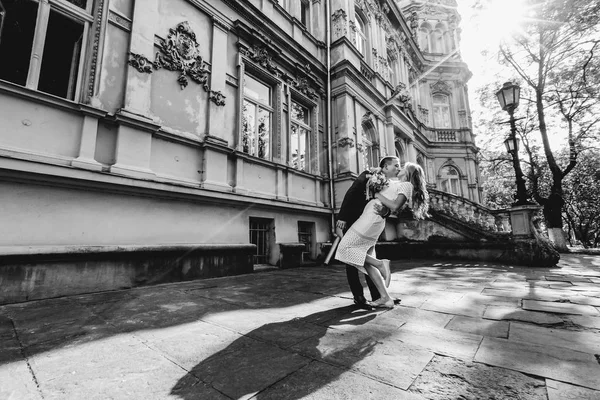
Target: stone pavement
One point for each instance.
(463, 331)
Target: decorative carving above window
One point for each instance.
(140, 63)
(181, 53)
(301, 84)
(261, 56)
(401, 94)
(441, 86)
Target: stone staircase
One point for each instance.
(471, 219)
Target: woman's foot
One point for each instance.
(387, 276)
(381, 303)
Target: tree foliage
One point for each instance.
(557, 57)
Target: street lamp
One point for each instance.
(508, 97)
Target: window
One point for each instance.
(449, 180)
(304, 12)
(361, 38)
(437, 41)
(299, 136)
(305, 235)
(45, 42)
(424, 38)
(421, 163)
(257, 112)
(260, 235)
(441, 111)
(370, 148)
(391, 73)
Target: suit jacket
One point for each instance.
(355, 200)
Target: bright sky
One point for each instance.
(484, 29)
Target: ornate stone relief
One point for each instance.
(261, 56)
(140, 63)
(340, 24)
(345, 141)
(180, 52)
(441, 86)
(401, 93)
(95, 49)
(301, 84)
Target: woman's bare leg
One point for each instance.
(380, 265)
(378, 280)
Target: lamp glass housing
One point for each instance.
(509, 96)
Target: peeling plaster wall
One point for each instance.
(38, 128)
(113, 73)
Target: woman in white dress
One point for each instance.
(357, 247)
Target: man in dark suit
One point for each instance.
(352, 207)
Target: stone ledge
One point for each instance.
(41, 272)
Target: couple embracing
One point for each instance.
(361, 220)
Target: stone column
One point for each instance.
(411, 152)
(344, 138)
(135, 130)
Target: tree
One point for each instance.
(582, 199)
(557, 57)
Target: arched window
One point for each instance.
(441, 111)
(370, 146)
(424, 32)
(437, 41)
(361, 36)
(391, 72)
(450, 180)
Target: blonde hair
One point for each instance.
(420, 197)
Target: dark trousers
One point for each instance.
(356, 286)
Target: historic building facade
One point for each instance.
(162, 122)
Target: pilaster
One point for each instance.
(87, 145)
(216, 115)
(214, 164)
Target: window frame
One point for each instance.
(247, 66)
(370, 146)
(449, 178)
(310, 107)
(84, 16)
(435, 106)
(305, 14)
(360, 34)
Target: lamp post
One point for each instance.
(508, 96)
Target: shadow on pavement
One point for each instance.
(262, 363)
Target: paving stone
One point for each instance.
(246, 367)
(586, 342)
(567, 278)
(441, 341)
(319, 381)
(242, 320)
(188, 344)
(369, 352)
(517, 293)
(120, 367)
(585, 320)
(424, 317)
(460, 307)
(287, 333)
(446, 378)
(517, 314)
(570, 366)
(559, 308)
(479, 326)
(16, 382)
(564, 391)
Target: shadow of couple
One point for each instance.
(289, 359)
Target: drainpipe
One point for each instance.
(328, 111)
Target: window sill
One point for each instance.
(37, 96)
(275, 164)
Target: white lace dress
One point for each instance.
(362, 236)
